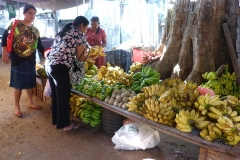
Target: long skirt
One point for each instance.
(23, 76)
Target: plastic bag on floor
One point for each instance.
(47, 90)
(134, 136)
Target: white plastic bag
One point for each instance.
(136, 136)
(47, 90)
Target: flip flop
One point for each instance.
(19, 114)
(35, 107)
(75, 126)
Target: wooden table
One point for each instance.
(208, 150)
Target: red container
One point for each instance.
(137, 55)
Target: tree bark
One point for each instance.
(193, 39)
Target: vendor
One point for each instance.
(96, 36)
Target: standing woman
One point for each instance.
(69, 44)
(23, 72)
(96, 36)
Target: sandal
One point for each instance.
(75, 126)
(19, 114)
(35, 107)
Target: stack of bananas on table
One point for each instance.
(89, 112)
(135, 66)
(97, 50)
(112, 75)
(163, 101)
(224, 117)
(186, 120)
(224, 85)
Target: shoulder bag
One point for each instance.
(77, 71)
(10, 37)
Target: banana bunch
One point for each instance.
(126, 79)
(186, 120)
(135, 66)
(155, 90)
(159, 112)
(75, 104)
(232, 101)
(97, 50)
(204, 102)
(212, 133)
(101, 72)
(136, 103)
(146, 77)
(210, 75)
(90, 113)
(223, 85)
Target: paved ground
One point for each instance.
(34, 138)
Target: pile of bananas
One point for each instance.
(223, 85)
(90, 68)
(146, 77)
(135, 66)
(186, 120)
(161, 102)
(112, 75)
(97, 50)
(184, 93)
(224, 117)
(89, 112)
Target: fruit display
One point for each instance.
(112, 75)
(224, 117)
(42, 72)
(223, 85)
(89, 112)
(120, 98)
(98, 89)
(91, 69)
(161, 102)
(146, 77)
(135, 66)
(97, 50)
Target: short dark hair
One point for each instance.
(95, 19)
(27, 7)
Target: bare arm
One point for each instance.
(5, 57)
(104, 42)
(81, 54)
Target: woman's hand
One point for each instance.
(5, 57)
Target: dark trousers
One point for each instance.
(61, 88)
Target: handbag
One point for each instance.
(10, 37)
(77, 70)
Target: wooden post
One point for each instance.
(202, 153)
(231, 51)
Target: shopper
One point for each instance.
(96, 36)
(69, 43)
(23, 72)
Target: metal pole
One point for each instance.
(56, 12)
(92, 4)
(18, 9)
(77, 7)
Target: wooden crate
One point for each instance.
(208, 154)
(39, 89)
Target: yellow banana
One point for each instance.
(204, 133)
(214, 100)
(192, 113)
(213, 115)
(234, 114)
(196, 116)
(215, 111)
(183, 126)
(202, 125)
(208, 138)
(229, 110)
(184, 130)
(217, 130)
(236, 119)
(234, 141)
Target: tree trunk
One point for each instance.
(193, 38)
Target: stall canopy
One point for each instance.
(54, 4)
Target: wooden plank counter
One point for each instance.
(206, 147)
